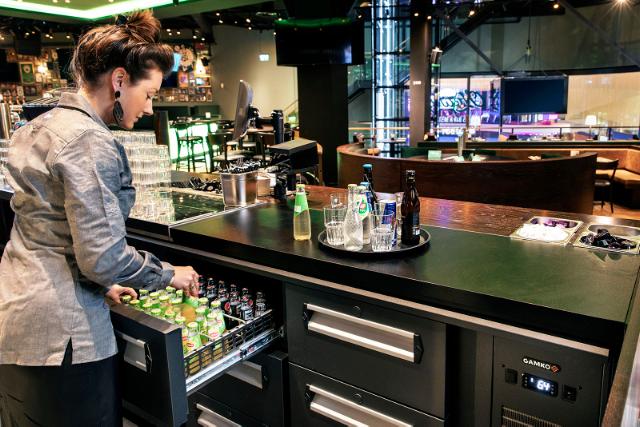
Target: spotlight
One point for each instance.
(248, 20)
(220, 21)
(556, 6)
(472, 12)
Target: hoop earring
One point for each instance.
(118, 113)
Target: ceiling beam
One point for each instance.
(472, 45)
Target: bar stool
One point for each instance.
(604, 182)
(185, 139)
(221, 141)
(247, 145)
(264, 140)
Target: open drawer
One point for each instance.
(156, 377)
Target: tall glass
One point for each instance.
(382, 232)
(337, 199)
(334, 224)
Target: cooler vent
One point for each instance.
(513, 418)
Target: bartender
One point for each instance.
(68, 249)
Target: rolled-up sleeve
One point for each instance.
(90, 170)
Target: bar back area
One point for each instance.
(398, 213)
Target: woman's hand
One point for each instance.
(116, 291)
(186, 278)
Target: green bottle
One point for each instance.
(301, 218)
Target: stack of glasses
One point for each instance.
(151, 171)
(4, 153)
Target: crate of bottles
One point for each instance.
(230, 341)
(222, 323)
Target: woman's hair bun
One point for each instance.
(133, 43)
(143, 26)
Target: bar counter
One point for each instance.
(471, 275)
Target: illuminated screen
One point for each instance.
(540, 385)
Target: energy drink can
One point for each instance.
(390, 208)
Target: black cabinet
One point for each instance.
(386, 352)
(257, 387)
(317, 400)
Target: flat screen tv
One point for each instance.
(319, 41)
(530, 95)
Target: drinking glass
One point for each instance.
(334, 224)
(382, 232)
(337, 200)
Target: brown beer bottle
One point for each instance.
(410, 210)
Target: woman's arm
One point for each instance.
(89, 169)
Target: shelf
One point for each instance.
(182, 104)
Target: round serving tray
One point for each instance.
(400, 248)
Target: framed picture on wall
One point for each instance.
(27, 73)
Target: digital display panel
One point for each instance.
(539, 384)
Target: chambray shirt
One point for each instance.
(72, 194)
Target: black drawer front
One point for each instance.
(152, 372)
(317, 400)
(390, 353)
(204, 411)
(257, 388)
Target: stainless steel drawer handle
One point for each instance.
(248, 372)
(374, 336)
(209, 418)
(347, 412)
(136, 352)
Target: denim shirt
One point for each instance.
(72, 195)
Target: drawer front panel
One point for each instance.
(255, 387)
(317, 400)
(390, 353)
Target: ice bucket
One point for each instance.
(239, 189)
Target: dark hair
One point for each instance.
(131, 43)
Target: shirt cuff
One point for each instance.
(168, 271)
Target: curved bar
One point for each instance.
(561, 184)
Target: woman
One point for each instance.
(68, 250)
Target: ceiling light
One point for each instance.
(621, 1)
(416, 14)
(178, 32)
(556, 6)
(202, 39)
(279, 19)
(55, 1)
(274, 33)
(217, 13)
(220, 21)
(67, 1)
(263, 57)
(195, 37)
(472, 12)
(429, 17)
(110, 1)
(68, 35)
(249, 28)
(248, 20)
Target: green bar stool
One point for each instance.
(187, 141)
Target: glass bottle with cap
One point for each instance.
(352, 221)
(301, 218)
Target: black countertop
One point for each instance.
(567, 291)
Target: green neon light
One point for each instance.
(90, 14)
